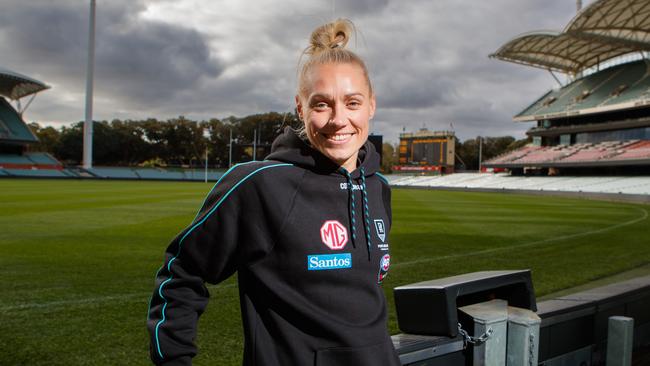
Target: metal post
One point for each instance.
(480, 153)
(88, 124)
(206, 164)
(206, 135)
(620, 331)
(490, 332)
(254, 143)
(523, 337)
(230, 150)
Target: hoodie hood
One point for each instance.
(290, 148)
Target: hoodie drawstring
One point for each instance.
(352, 208)
(366, 210)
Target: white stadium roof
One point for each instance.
(603, 30)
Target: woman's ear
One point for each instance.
(373, 106)
(299, 107)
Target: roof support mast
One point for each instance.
(88, 124)
(578, 5)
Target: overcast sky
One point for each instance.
(428, 59)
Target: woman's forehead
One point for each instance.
(336, 78)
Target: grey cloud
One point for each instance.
(428, 59)
(137, 61)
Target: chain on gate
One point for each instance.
(474, 340)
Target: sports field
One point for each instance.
(77, 258)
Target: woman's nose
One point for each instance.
(338, 116)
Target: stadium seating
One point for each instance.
(12, 126)
(153, 173)
(198, 174)
(503, 181)
(548, 154)
(516, 154)
(150, 173)
(614, 85)
(32, 173)
(15, 160)
(639, 150)
(116, 173)
(626, 86)
(42, 158)
(563, 155)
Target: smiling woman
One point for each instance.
(335, 99)
(306, 230)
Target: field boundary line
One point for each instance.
(644, 216)
(90, 300)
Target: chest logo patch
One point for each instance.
(384, 265)
(319, 262)
(381, 229)
(334, 235)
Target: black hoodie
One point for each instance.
(310, 250)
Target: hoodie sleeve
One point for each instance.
(209, 250)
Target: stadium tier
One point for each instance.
(632, 185)
(12, 127)
(599, 121)
(153, 173)
(115, 173)
(15, 135)
(159, 174)
(621, 86)
(608, 153)
(36, 173)
(42, 158)
(10, 160)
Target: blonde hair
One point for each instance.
(327, 45)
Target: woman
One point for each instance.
(306, 230)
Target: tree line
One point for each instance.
(173, 142)
(184, 142)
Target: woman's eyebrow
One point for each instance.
(325, 96)
(356, 94)
(320, 96)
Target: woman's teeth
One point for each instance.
(339, 137)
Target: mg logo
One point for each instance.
(334, 235)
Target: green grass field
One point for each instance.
(77, 258)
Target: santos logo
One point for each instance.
(329, 261)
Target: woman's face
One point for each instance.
(336, 108)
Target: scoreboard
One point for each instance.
(427, 152)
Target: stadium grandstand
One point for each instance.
(598, 123)
(16, 138)
(17, 158)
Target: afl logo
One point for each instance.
(384, 265)
(334, 235)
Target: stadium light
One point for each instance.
(88, 123)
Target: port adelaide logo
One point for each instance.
(380, 228)
(334, 234)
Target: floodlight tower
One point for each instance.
(88, 123)
(578, 5)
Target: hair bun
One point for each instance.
(331, 35)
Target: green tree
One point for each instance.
(389, 157)
(48, 137)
